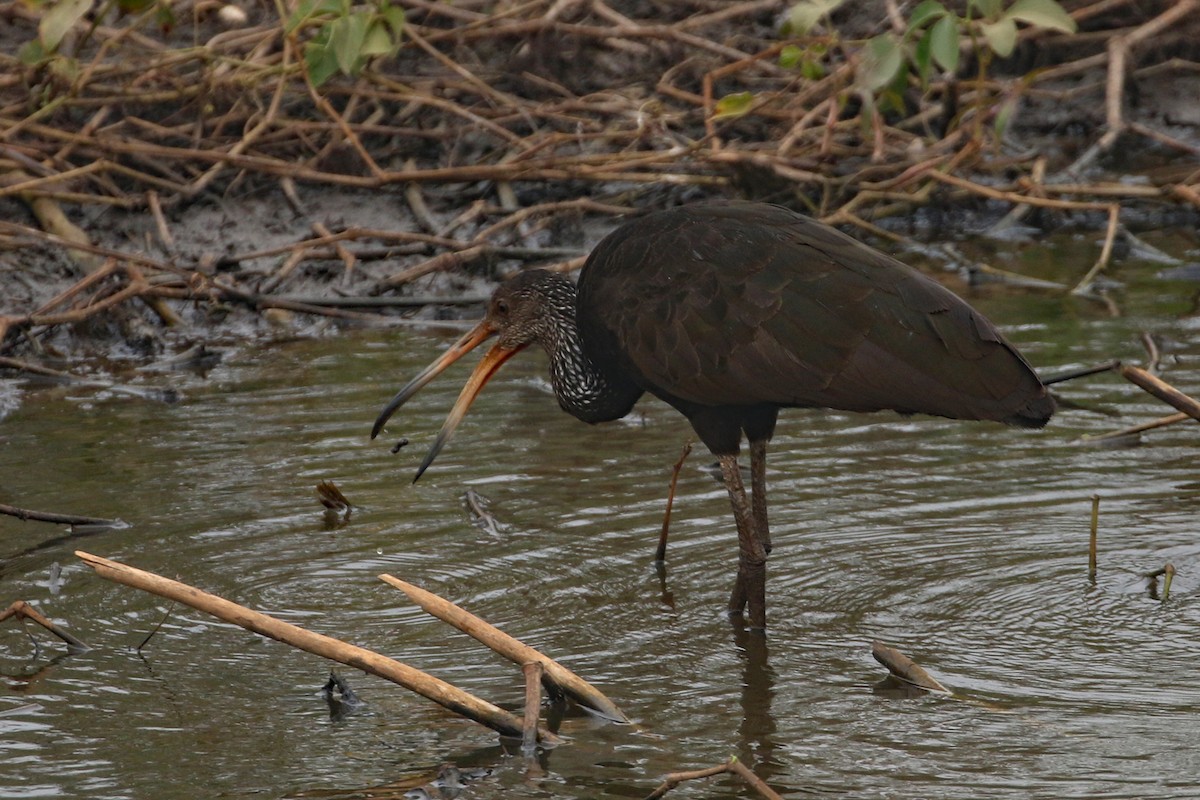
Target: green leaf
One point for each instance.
(378, 41)
(812, 69)
(64, 68)
(1042, 13)
(790, 56)
(394, 17)
(346, 37)
(61, 17)
(882, 59)
(1004, 116)
(320, 60)
(804, 16)
(31, 53)
(133, 6)
(1001, 36)
(943, 43)
(311, 9)
(734, 105)
(988, 9)
(304, 10)
(926, 11)
(923, 58)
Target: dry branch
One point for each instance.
(1161, 389)
(19, 609)
(661, 553)
(1132, 430)
(440, 692)
(464, 116)
(557, 678)
(733, 766)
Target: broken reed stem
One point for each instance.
(19, 609)
(660, 555)
(1161, 389)
(440, 692)
(733, 766)
(1114, 219)
(1161, 422)
(557, 677)
(904, 668)
(533, 703)
(1095, 527)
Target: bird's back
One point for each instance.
(739, 304)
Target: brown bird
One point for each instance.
(730, 311)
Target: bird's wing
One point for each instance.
(741, 304)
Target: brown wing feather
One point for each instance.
(744, 303)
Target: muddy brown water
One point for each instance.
(962, 544)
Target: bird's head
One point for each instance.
(519, 313)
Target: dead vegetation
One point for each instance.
(501, 122)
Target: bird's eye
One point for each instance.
(501, 306)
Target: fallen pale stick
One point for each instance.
(1161, 389)
(1161, 422)
(556, 676)
(440, 692)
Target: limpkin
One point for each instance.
(730, 311)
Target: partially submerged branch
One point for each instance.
(733, 767)
(58, 519)
(1161, 389)
(20, 610)
(557, 677)
(440, 692)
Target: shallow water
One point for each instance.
(962, 544)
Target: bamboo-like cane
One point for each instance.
(556, 676)
(444, 694)
(1161, 389)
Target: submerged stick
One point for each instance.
(58, 519)
(905, 668)
(733, 766)
(660, 554)
(557, 677)
(1161, 422)
(22, 610)
(1167, 573)
(1161, 389)
(1092, 538)
(440, 692)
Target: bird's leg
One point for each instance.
(750, 589)
(758, 487)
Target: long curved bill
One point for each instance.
(479, 377)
